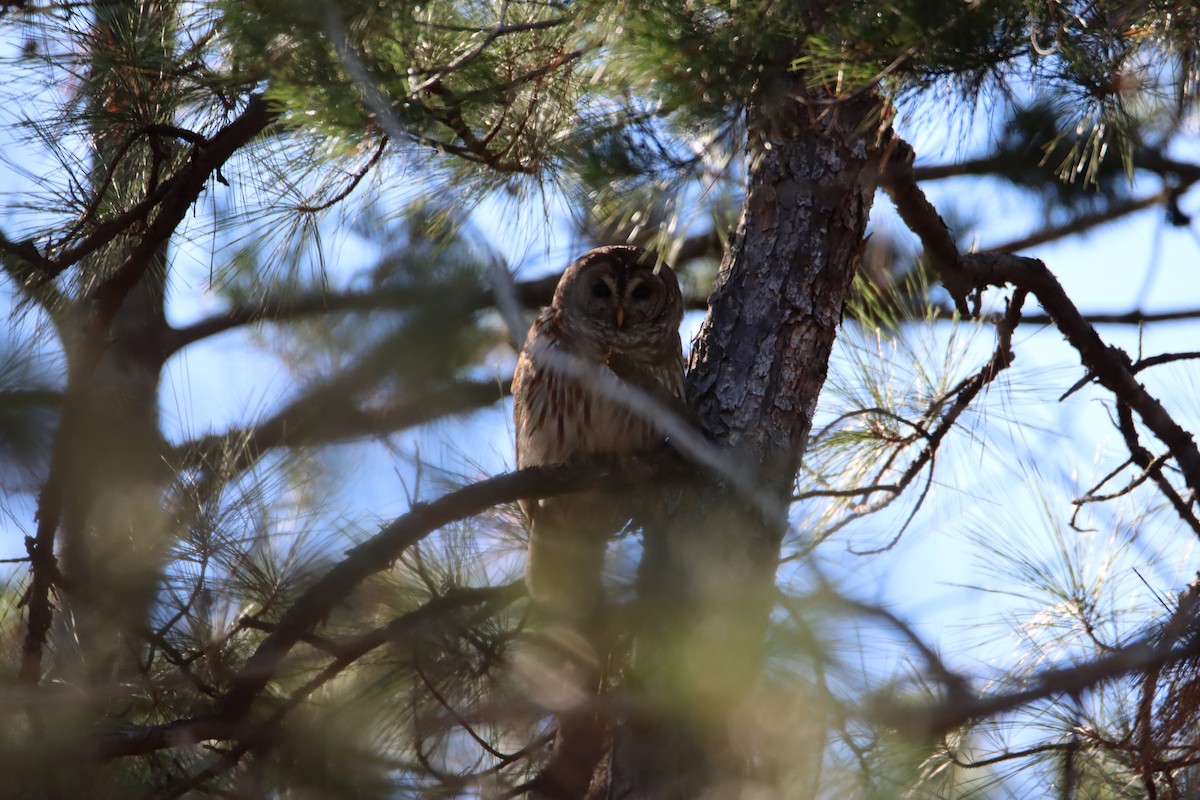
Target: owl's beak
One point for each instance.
(620, 316)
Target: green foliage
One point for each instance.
(396, 118)
(1042, 139)
(1113, 71)
(914, 40)
(490, 83)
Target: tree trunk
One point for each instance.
(707, 577)
(113, 524)
(103, 500)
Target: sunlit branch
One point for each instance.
(968, 275)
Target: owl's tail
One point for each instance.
(564, 569)
(562, 663)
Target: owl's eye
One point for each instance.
(601, 289)
(640, 292)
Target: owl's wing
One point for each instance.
(521, 429)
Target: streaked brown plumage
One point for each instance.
(613, 314)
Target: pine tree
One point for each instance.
(197, 614)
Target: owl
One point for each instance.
(613, 312)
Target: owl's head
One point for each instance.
(617, 296)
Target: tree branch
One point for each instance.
(967, 275)
(1136, 317)
(1110, 365)
(404, 630)
(319, 418)
(1151, 465)
(1081, 224)
(1152, 652)
(171, 199)
(963, 395)
(531, 294)
(355, 179)
(922, 219)
(1001, 163)
(179, 193)
(378, 552)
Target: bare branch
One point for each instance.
(1001, 162)
(355, 179)
(1135, 317)
(1164, 358)
(1081, 224)
(965, 275)
(1144, 459)
(1150, 653)
(1111, 366)
(963, 394)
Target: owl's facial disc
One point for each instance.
(638, 290)
(605, 299)
(603, 288)
(620, 300)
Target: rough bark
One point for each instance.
(761, 357)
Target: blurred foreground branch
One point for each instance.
(372, 556)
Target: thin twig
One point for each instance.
(355, 179)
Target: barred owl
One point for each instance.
(613, 311)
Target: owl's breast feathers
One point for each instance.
(559, 418)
